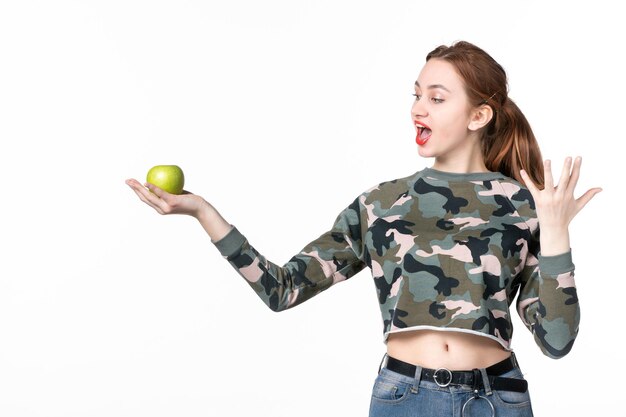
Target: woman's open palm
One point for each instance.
(164, 202)
(555, 204)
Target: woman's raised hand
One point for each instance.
(556, 205)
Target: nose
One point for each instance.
(418, 109)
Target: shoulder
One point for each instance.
(519, 196)
(388, 190)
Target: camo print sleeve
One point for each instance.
(331, 258)
(548, 303)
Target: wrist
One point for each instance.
(554, 240)
(204, 211)
(212, 221)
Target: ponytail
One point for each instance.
(509, 145)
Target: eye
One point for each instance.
(437, 100)
(417, 96)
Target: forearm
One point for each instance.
(333, 257)
(280, 287)
(212, 222)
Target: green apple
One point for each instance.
(167, 177)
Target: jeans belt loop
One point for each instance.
(486, 383)
(418, 379)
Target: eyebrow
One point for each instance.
(432, 86)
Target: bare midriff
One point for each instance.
(445, 349)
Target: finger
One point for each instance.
(573, 180)
(145, 195)
(160, 197)
(585, 198)
(547, 175)
(145, 192)
(565, 174)
(529, 183)
(136, 186)
(159, 192)
(146, 198)
(132, 183)
(149, 197)
(167, 202)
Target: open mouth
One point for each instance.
(423, 133)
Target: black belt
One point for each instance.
(444, 377)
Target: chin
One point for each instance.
(425, 152)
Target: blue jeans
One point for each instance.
(398, 395)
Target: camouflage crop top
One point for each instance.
(446, 251)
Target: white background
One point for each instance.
(280, 114)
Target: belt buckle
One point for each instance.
(446, 376)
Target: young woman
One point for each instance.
(449, 248)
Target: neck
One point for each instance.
(460, 167)
(468, 161)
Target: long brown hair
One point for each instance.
(508, 142)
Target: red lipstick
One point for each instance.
(423, 133)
